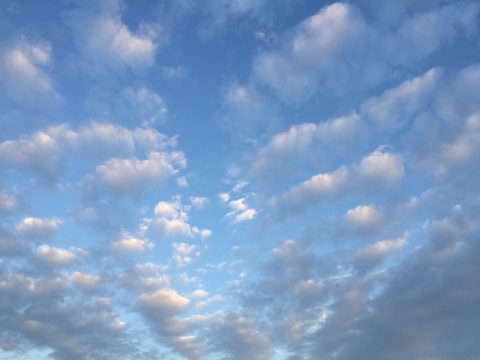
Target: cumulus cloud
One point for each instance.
(322, 144)
(24, 72)
(362, 217)
(35, 313)
(8, 203)
(44, 152)
(380, 169)
(371, 255)
(326, 48)
(171, 220)
(161, 308)
(240, 211)
(131, 175)
(237, 338)
(55, 256)
(437, 279)
(149, 108)
(38, 227)
(85, 280)
(184, 253)
(129, 244)
(103, 37)
(318, 43)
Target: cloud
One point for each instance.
(54, 256)
(85, 281)
(160, 308)
(103, 37)
(329, 48)
(128, 244)
(124, 176)
(362, 217)
(8, 203)
(38, 227)
(44, 152)
(148, 107)
(317, 44)
(380, 169)
(403, 320)
(198, 201)
(171, 220)
(391, 109)
(237, 338)
(183, 253)
(240, 211)
(366, 258)
(24, 69)
(36, 314)
(323, 144)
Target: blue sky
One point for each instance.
(239, 179)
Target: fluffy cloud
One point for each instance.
(184, 253)
(130, 244)
(8, 203)
(36, 314)
(24, 71)
(131, 175)
(437, 279)
(45, 151)
(326, 48)
(54, 256)
(84, 280)
(362, 217)
(237, 338)
(317, 45)
(171, 220)
(380, 169)
(240, 211)
(160, 308)
(103, 37)
(323, 144)
(38, 227)
(148, 107)
(369, 256)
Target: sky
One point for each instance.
(239, 179)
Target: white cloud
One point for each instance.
(199, 293)
(240, 210)
(146, 276)
(164, 301)
(325, 143)
(391, 109)
(317, 45)
(184, 254)
(8, 203)
(198, 201)
(148, 107)
(132, 244)
(55, 256)
(171, 220)
(44, 151)
(84, 280)
(38, 227)
(363, 217)
(336, 47)
(24, 69)
(131, 175)
(380, 169)
(102, 36)
(462, 148)
(161, 308)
